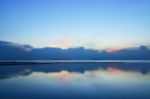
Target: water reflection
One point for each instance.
(76, 81)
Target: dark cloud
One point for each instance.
(13, 51)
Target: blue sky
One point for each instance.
(96, 24)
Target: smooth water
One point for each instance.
(76, 81)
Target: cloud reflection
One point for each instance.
(63, 70)
(76, 81)
(110, 75)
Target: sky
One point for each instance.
(96, 24)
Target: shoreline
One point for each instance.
(34, 62)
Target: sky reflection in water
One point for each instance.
(76, 81)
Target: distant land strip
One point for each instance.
(69, 61)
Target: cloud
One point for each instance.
(14, 51)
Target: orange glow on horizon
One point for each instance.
(64, 43)
(114, 49)
(115, 70)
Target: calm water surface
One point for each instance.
(76, 81)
